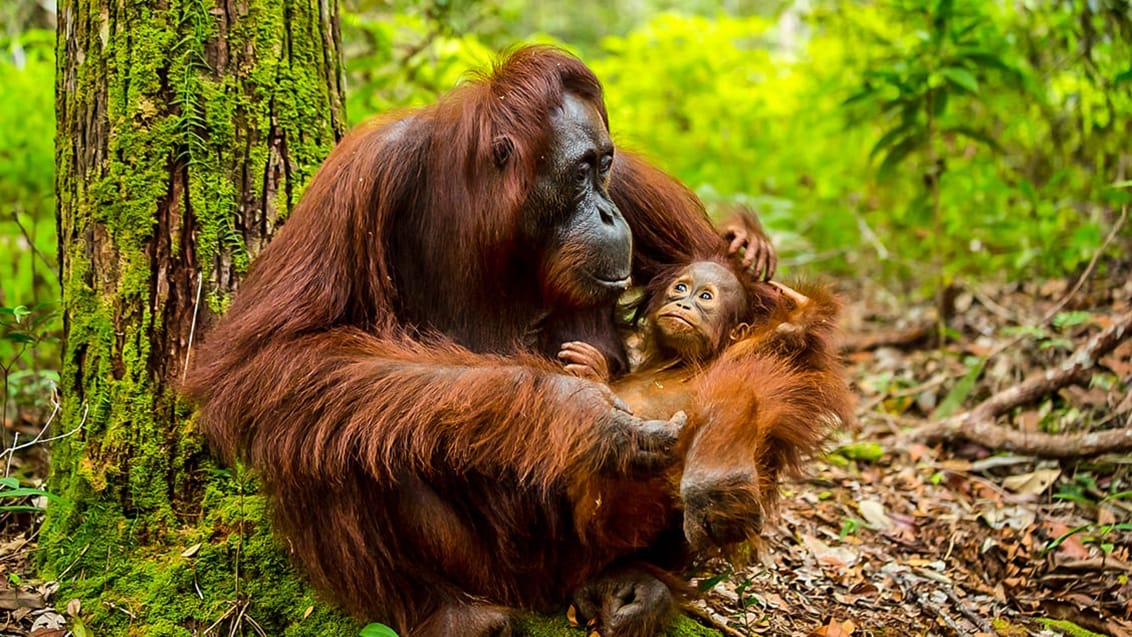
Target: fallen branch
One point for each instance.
(905, 338)
(978, 424)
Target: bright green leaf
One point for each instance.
(866, 451)
(1070, 319)
(961, 78)
(890, 138)
(959, 393)
(377, 630)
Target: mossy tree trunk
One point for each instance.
(186, 130)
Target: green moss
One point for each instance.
(1067, 628)
(226, 568)
(539, 626)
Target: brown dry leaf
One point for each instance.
(835, 629)
(1029, 420)
(874, 514)
(8, 548)
(15, 598)
(1032, 483)
(918, 450)
(1121, 366)
(1053, 288)
(957, 465)
(1091, 398)
(840, 557)
(1125, 405)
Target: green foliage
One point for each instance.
(799, 121)
(24, 333)
(406, 59)
(14, 497)
(715, 102)
(1066, 627)
(962, 389)
(28, 269)
(869, 452)
(377, 630)
(27, 211)
(225, 574)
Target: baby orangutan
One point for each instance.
(702, 310)
(756, 369)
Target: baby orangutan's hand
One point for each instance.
(584, 361)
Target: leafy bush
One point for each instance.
(824, 129)
(27, 209)
(28, 350)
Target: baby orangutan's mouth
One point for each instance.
(680, 320)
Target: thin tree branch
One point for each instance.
(978, 424)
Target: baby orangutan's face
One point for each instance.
(700, 308)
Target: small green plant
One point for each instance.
(709, 583)
(1098, 535)
(22, 331)
(14, 498)
(1066, 627)
(377, 630)
(747, 599)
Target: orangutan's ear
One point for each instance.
(740, 331)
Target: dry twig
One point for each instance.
(978, 424)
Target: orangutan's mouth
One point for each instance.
(676, 317)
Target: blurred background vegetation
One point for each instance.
(913, 143)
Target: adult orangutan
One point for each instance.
(387, 364)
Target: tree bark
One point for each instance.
(186, 130)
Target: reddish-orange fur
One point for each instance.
(755, 412)
(385, 366)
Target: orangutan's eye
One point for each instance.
(606, 165)
(583, 174)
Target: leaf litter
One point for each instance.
(955, 538)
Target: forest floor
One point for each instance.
(891, 534)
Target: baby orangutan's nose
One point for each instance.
(721, 510)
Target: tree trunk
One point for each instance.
(186, 129)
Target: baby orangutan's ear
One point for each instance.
(740, 331)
